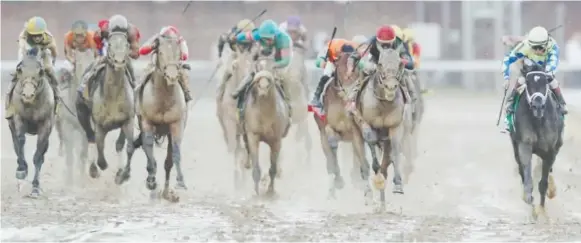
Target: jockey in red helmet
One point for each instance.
(151, 44)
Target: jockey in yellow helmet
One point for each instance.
(35, 39)
(245, 25)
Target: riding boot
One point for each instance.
(8, 109)
(561, 100)
(510, 100)
(316, 101)
(183, 80)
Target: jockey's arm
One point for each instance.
(147, 47)
(511, 58)
(321, 60)
(184, 49)
(282, 43)
(52, 47)
(247, 37)
(552, 58)
(92, 44)
(134, 42)
(22, 46)
(221, 43)
(68, 47)
(405, 54)
(303, 31)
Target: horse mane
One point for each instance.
(341, 68)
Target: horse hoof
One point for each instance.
(339, 183)
(539, 211)
(180, 185)
(151, 183)
(35, 193)
(94, 171)
(170, 196)
(21, 175)
(102, 163)
(332, 195)
(379, 182)
(528, 199)
(398, 189)
(121, 177)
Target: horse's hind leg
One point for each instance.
(176, 132)
(59, 132)
(18, 140)
(41, 148)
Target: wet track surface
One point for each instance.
(464, 188)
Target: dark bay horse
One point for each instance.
(537, 128)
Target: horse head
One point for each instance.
(537, 87)
(168, 58)
(31, 79)
(118, 50)
(264, 79)
(344, 68)
(389, 67)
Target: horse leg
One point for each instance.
(84, 118)
(59, 132)
(548, 161)
(330, 142)
(393, 154)
(167, 193)
(18, 140)
(272, 172)
(41, 148)
(525, 153)
(359, 151)
(378, 181)
(252, 143)
(124, 171)
(517, 159)
(303, 134)
(176, 130)
(147, 141)
(386, 160)
(100, 141)
(69, 156)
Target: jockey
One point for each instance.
(35, 38)
(244, 25)
(295, 29)
(150, 45)
(326, 60)
(542, 49)
(360, 42)
(273, 41)
(388, 37)
(117, 23)
(78, 37)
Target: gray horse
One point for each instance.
(537, 129)
(162, 110)
(386, 118)
(34, 105)
(68, 127)
(110, 106)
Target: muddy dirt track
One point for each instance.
(464, 189)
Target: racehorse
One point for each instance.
(162, 110)
(536, 128)
(67, 125)
(33, 102)
(265, 118)
(336, 125)
(110, 106)
(297, 92)
(240, 64)
(386, 118)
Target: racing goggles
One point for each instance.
(539, 48)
